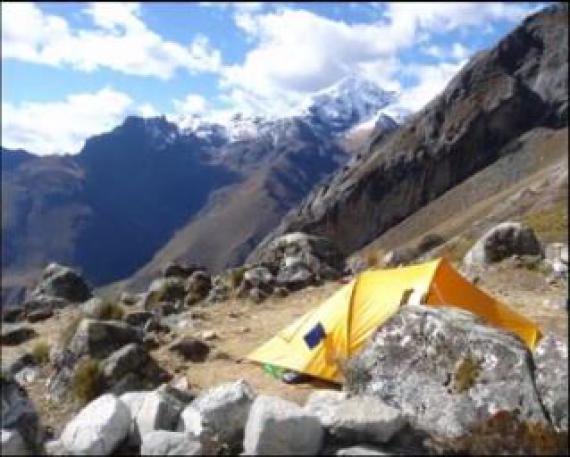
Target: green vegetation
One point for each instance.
(550, 224)
(40, 352)
(87, 381)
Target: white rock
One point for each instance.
(159, 411)
(55, 447)
(221, 411)
(98, 428)
(361, 450)
(362, 419)
(279, 427)
(324, 404)
(12, 443)
(163, 442)
(134, 401)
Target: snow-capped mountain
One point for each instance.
(334, 110)
(349, 102)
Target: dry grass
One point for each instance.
(550, 224)
(69, 330)
(504, 433)
(40, 352)
(111, 311)
(87, 381)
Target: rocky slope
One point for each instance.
(501, 94)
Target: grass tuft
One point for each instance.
(40, 352)
(87, 381)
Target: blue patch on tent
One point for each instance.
(315, 336)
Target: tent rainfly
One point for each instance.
(336, 330)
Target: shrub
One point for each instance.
(504, 433)
(235, 276)
(372, 258)
(69, 331)
(111, 310)
(40, 352)
(87, 381)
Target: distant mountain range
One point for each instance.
(151, 191)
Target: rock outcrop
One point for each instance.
(446, 370)
(502, 241)
(501, 93)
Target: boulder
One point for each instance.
(257, 295)
(551, 360)
(18, 414)
(360, 450)
(295, 276)
(55, 447)
(191, 349)
(220, 412)
(400, 256)
(11, 367)
(163, 442)
(129, 359)
(95, 308)
(134, 401)
(42, 302)
(446, 370)
(100, 338)
(502, 241)
(318, 253)
(219, 292)
(160, 410)
(15, 334)
(259, 277)
(279, 427)
(62, 282)
(199, 284)
(12, 443)
(179, 271)
(138, 318)
(39, 315)
(12, 313)
(359, 419)
(168, 289)
(58, 384)
(98, 428)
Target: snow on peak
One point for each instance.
(350, 101)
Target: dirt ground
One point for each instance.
(241, 326)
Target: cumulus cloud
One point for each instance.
(284, 65)
(62, 127)
(120, 41)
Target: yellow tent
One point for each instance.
(338, 328)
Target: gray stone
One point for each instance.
(199, 283)
(62, 282)
(39, 315)
(295, 276)
(129, 359)
(138, 318)
(12, 443)
(55, 447)
(15, 334)
(279, 427)
(98, 428)
(163, 442)
(360, 419)
(18, 413)
(134, 402)
(191, 349)
(259, 277)
(42, 302)
(221, 412)
(551, 360)
(361, 450)
(258, 295)
(162, 290)
(13, 313)
(502, 241)
(160, 410)
(11, 367)
(100, 338)
(180, 271)
(446, 370)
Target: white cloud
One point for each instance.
(192, 104)
(296, 52)
(431, 80)
(238, 6)
(120, 41)
(62, 127)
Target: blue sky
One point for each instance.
(71, 70)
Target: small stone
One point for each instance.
(209, 335)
